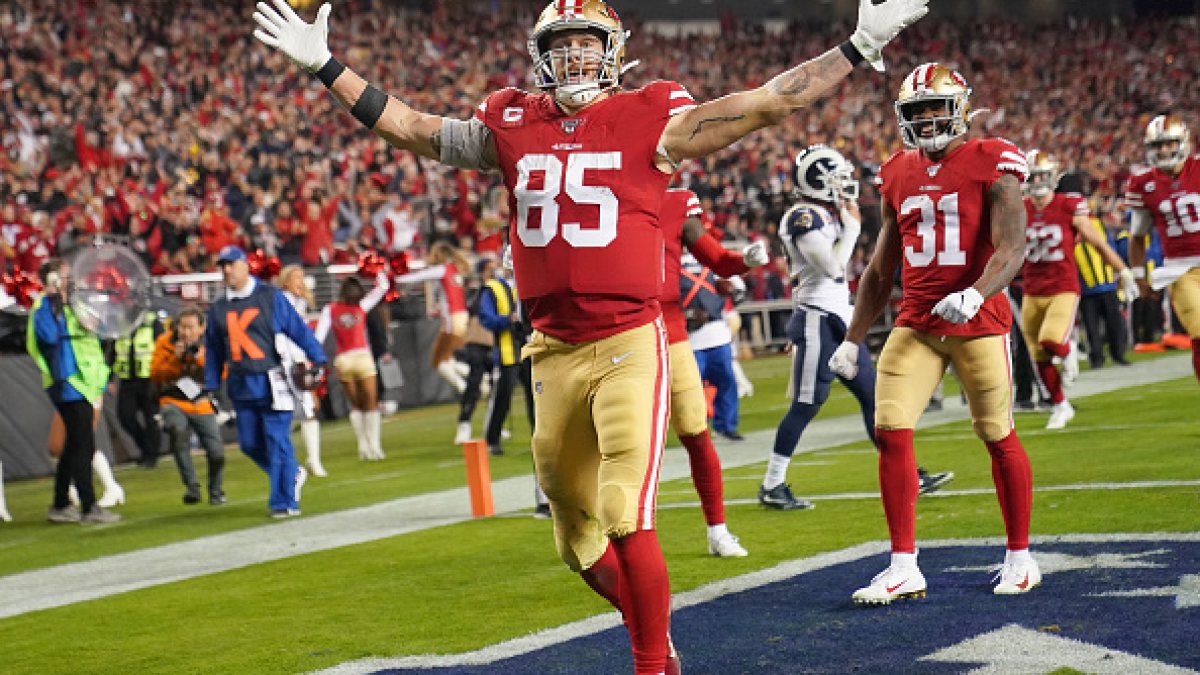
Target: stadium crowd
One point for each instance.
(174, 128)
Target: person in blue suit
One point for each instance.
(242, 326)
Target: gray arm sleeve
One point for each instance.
(464, 144)
(1140, 222)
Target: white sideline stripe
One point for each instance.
(707, 593)
(108, 575)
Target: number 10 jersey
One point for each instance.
(945, 230)
(585, 196)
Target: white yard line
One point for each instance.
(77, 582)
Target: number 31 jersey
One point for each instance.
(1175, 203)
(585, 197)
(945, 229)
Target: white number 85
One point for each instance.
(545, 199)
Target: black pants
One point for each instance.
(75, 463)
(479, 358)
(138, 396)
(1023, 375)
(1103, 322)
(501, 402)
(1147, 319)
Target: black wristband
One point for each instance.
(330, 71)
(369, 106)
(851, 53)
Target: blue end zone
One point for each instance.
(807, 623)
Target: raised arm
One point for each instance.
(717, 124)
(387, 116)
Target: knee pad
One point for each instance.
(991, 431)
(892, 415)
(689, 413)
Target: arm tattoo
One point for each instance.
(716, 120)
(805, 76)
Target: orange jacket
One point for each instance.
(166, 368)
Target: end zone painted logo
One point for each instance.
(1121, 604)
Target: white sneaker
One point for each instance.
(463, 434)
(505, 434)
(726, 546)
(113, 495)
(317, 469)
(301, 477)
(1018, 576)
(1060, 414)
(891, 584)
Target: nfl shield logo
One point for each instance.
(933, 170)
(537, 387)
(569, 126)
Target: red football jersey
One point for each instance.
(585, 198)
(349, 323)
(1050, 266)
(453, 298)
(678, 205)
(945, 230)
(1175, 203)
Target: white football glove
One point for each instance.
(304, 43)
(844, 361)
(959, 307)
(1129, 285)
(878, 24)
(755, 255)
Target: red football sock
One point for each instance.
(1053, 381)
(1196, 356)
(1059, 349)
(604, 577)
(645, 599)
(1014, 488)
(898, 486)
(706, 476)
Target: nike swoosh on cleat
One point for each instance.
(892, 589)
(621, 357)
(1024, 582)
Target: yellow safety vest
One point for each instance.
(91, 371)
(1093, 271)
(141, 344)
(509, 350)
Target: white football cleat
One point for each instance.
(726, 546)
(1018, 576)
(892, 584)
(113, 495)
(1060, 414)
(463, 434)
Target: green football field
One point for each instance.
(423, 592)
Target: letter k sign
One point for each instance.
(238, 340)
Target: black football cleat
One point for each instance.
(781, 497)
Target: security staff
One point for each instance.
(74, 374)
(498, 313)
(241, 330)
(137, 400)
(1099, 306)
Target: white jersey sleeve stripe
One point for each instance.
(678, 109)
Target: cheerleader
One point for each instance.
(291, 281)
(354, 363)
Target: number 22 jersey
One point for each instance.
(945, 230)
(585, 195)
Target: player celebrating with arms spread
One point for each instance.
(954, 222)
(587, 165)
(1052, 275)
(1168, 196)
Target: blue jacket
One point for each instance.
(254, 387)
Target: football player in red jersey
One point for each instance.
(954, 223)
(681, 227)
(1053, 220)
(1168, 196)
(587, 165)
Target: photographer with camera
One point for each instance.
(178, 369)
(74, 374)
